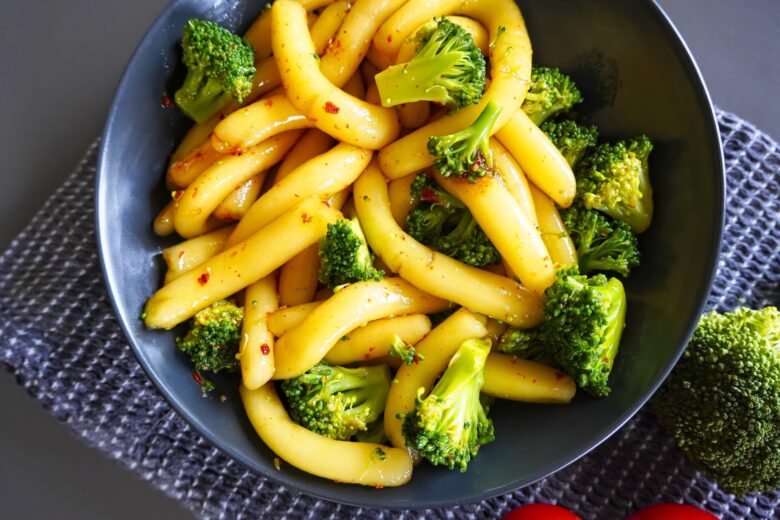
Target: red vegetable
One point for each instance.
(672, 512)
(540, 512)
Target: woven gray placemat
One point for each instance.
(60, 339)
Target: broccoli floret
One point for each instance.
(403, 351)
(337, 402)
(571, 138)
(603, 244)
(552, 92)
(526, 344)
(449, 426)
(722, 401)
(580, 334)
(466, 153)
(212, 340)
(447, 69)
(345, 257)
(219, 67)
(443, 223)
(583, 321)
(615, 180)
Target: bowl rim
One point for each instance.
(280, 478)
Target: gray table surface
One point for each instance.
(60, 62)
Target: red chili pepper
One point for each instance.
(197, 378)
(429, 195)
(330, 108)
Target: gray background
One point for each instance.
(59, 64)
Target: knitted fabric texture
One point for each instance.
(61, 340)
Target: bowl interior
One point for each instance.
(637, 77)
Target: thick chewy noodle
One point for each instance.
(437, 274)
(331, 109)
(507, 225)
(556, 238)
(256, 350)
(323, 176)
(373, 340)
(189, 254)
(203, 196)
(353, 306)
(349, 462)
(508, 377)
(539, 158)
(240, 266)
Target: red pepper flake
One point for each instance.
(366, 356)
(306, 218)
(197, 378)
(416, 359)
(428, 195)
(389, 38)
(265, 349)
(166, 102)
(234, 253)
(330, 108)
(269, 102)
(203, 279)
(559, 376)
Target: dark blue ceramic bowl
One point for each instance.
(637, 76)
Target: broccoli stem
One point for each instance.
(417, 80)
(467, 153)
(200, 97)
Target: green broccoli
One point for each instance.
(448, 69)
(525, 344)
(345, 257)
(467, 153)
(602, 244)
(219, 67)
(583, 321)
(580, 334)
(615, 180)
(722, 401)
(552, 92)
(403, 351)
(443, 223)
(449, 426)
(212, 340)
(337, 402)
(571, 138)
